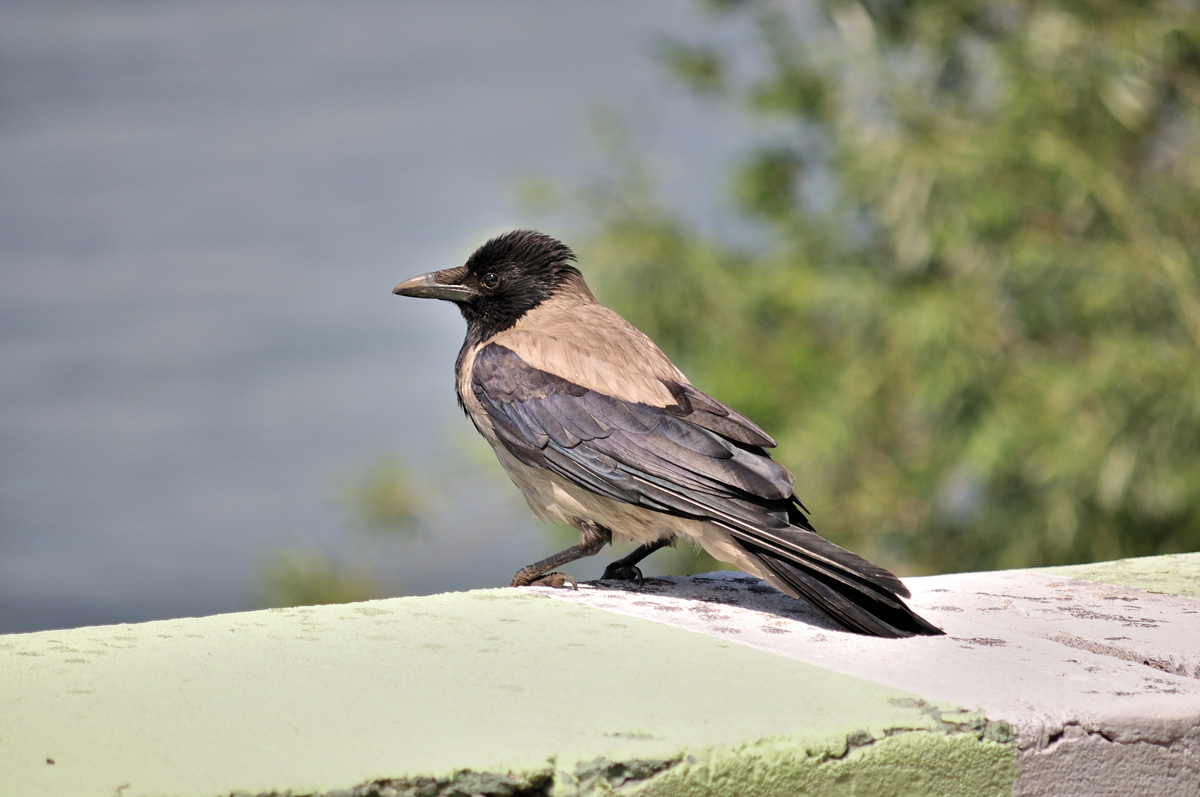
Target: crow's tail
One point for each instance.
(843, 586)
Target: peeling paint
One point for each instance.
(897, 764)
(947, 761)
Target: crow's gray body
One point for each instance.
(551, 449)
(597, 427)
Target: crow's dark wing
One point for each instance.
(620, 448)
(695, 459)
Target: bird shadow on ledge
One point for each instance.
(703, 596)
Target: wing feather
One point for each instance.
(532, 410)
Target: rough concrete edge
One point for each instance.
(1080, 761)
(1168, 574)
(904, 763)
(961, 753)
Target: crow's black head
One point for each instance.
(504, 279)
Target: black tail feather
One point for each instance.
(851, 599)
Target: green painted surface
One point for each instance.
(1173, 574)
(904, 764)
(324, 698)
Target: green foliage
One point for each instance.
(385, 504)
(980, 347)
(384, 500)
(308, 578)
(702, 67)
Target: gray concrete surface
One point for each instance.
(1100, 683)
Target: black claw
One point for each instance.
(622, 572)
(626, 569)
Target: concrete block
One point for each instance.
(704, 685)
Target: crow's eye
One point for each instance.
(490, 281)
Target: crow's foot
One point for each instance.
(556, 580)
(619, 571)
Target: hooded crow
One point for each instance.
(602, 432)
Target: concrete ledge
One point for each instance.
(709, 685)
(1100, 684)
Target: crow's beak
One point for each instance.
(445, 284)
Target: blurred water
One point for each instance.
(204, 210)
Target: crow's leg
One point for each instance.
(626, 569)
(592, 537)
